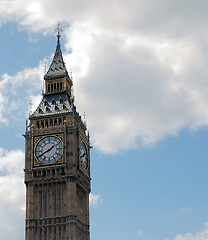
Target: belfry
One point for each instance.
(57, 162)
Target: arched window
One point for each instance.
(62, 171)
(46, 123)
(51, 123)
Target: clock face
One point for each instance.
(83, 156)
(49, 150)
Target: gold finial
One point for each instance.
(58, 30)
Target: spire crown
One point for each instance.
(57, 68)
(58, 31)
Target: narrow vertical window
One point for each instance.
(41, 203)
(64, 120)
(45, 204)
(60, 85)
(45, 233)
(41, 234)
(51, 123)
(59, 203)
(59, 232)
(46, 123)
(54, 195)
(49, 87)
(55, 233)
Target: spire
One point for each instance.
(57, 68)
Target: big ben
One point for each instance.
(57, 162)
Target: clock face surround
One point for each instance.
(49, 149)
(83, 156)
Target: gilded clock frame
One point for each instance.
(60, 161)
(88, 160)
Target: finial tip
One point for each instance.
(58, 30)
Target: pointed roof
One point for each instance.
(53, 104)
(57, 67)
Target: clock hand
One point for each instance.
(48, 150)
(82, 155)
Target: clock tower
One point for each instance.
(57, 162)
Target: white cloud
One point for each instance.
(201, 235)
(140, 74)
(95, 200)
(16, 92)
(133, 98)
(12, 192)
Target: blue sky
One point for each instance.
(140, 75)
(160, 191)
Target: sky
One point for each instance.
(140, 74)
